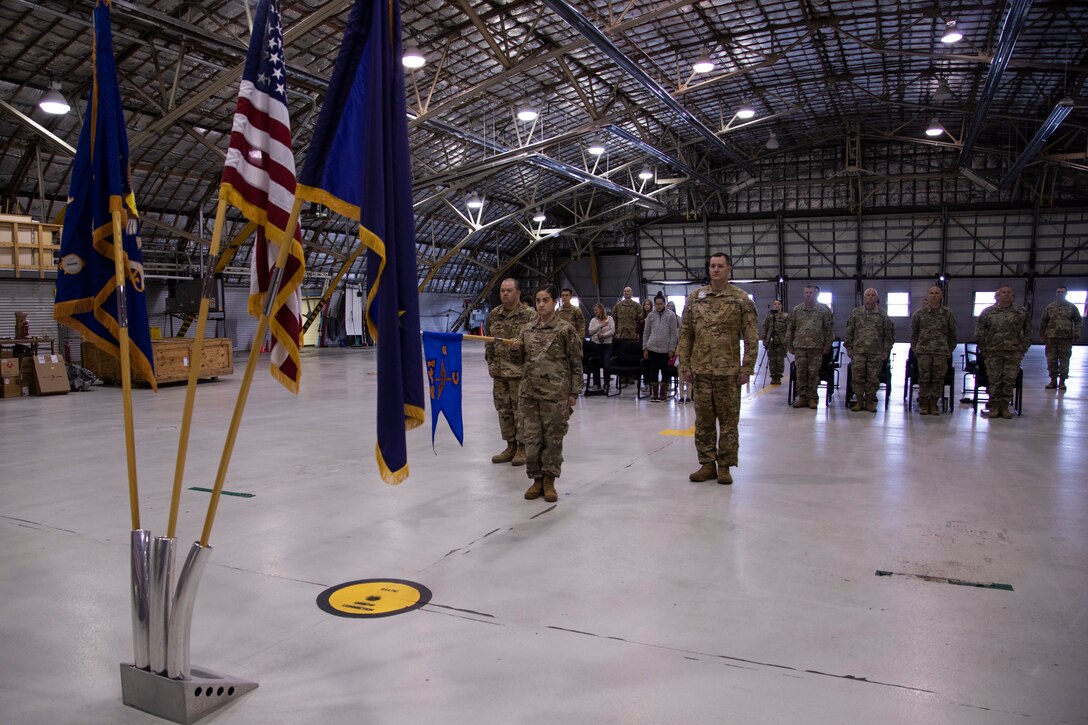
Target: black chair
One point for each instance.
(974, 366)
(829, 373)
(948, 399)
(626, 364)
(592, 362)
(885, 380)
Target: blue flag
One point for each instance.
(86, 291)
(358, 166)
(442, 351)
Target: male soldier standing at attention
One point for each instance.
(570, 314)
(932, 340)
(870, 335)
(809, 333)
(627, 313)
(1059, 329)
(504, 366)
(774, 340)
(716, 318)
(1003, 335)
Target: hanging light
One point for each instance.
(646, 173)
(412, 58)
(595, 147)
(527, 114)
(53, 101)
(746, 111)
(934, 128)
(772, 142)
(703, 64)
(943, 92)
(539, 217)
(951, 33)
(474, 201)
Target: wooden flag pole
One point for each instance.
(251, 366)
(194, 370)
(485, 338)
(126, 363)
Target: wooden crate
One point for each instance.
(172, 357)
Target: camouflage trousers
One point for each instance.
(776, 356)
(504, 392)
(717, 415)
(543, 424)
(808, 361)
(865, 373)
(1001, 370)
(1057, 357)
(931, 373)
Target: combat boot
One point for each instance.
(723, 476)
(536, 489)
(707, 472)
(923, 406)
(1061, 383)
(859, 404)
(507, 455)
(1004, 411)
(776, 380)
(519, 457)
(549, 490)
(993, 410)
(1053, 384)
(933, 409)
(814, 403)
(800, 402)
(870, 403)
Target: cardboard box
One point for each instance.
(48, 374)
(11, 384)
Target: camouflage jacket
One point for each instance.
(933, 332)
(1003, 330)
(779, 322)
(1061, 321)
(553, 360)
(713, 326)
(627, 313)
(573, 316)
(504, 361)
(869, 333)
(810, 328)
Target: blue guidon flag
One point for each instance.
(442, 350)
(86, 291)
(358, 166)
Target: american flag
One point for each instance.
(259, 179)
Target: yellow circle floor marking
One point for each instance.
(369, 598)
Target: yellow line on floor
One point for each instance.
(690, 432)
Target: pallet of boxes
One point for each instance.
(25, 372)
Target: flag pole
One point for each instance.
(194, 367)
(126, 364)
(251, 366)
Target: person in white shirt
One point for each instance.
(602, 328)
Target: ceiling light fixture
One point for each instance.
(703, 64)
(934, 128)
(539, 217)
(53, 101)
(595, 147)
(951, 33)
(412, 58)
(772, 142)
(527, 114)
(474, 201)
(746, 111)
(943, 92)
(646, 173)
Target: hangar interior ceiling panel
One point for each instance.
(842, 93)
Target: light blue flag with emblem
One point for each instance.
(86, 291)
(442, 351)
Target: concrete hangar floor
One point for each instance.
(639, 598)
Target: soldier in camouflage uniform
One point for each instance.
(870, 335)
(552, 379)
(932, 340)
(716, 318)
(774, 340)
(1059, 329)
(504, 367)
(810, 331)
(1003, 335)
(570, 314)
(627, 313)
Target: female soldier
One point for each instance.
(550, 383)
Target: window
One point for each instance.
(1077, 297)
(983, 300)
(679, 301)
(824, 298)
(898, 304)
